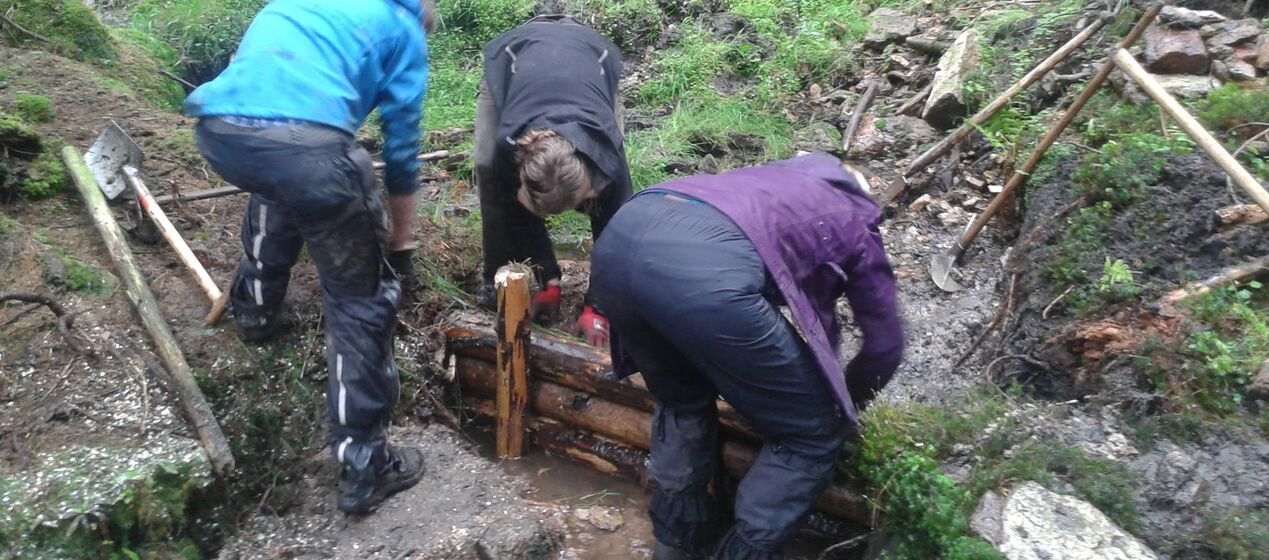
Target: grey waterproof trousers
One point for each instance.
(313, 185)
(691, 301)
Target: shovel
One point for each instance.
(115, 162)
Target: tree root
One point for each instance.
(65, 321)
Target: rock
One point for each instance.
(1177, 16)
(888, 26)
(1235, 32)
(894, 134)
(1262, 54)
(947, 99)
(603, 518)
(1240, 70)
(1259, 388)
(1175, 51)
(1181, 86)
(920, 203)
(1246, 52)
(819, 137)
(1033, 523)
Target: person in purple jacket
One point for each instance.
(691, 273)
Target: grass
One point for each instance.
(34, 108)
(199, 35)
(70, 26)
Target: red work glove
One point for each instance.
(546, 303)
(592, 326)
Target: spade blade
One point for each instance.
(941, 271)
(112, 150)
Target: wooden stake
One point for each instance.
(514, 323)
(1124, 60)
(193, 403)
(958, 135)
(862, 107)
(1021, 174)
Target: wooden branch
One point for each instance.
(927, 45)
(23, 30)
(959, 135)
(580, 367)
(1124, 60)
(177, 79)
(916, 100)
(862, 107)
(65, 321)
(430, 156)
(1021, 174)
(194, 404)
(197, 195)
(1225, 277)
(512, 283)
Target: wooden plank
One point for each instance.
(193, 403)
(1124, 60)
(514, 322)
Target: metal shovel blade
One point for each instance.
(941, 271)
(112, 150)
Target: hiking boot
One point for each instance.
(362, 490)
(667, 552)
(258, 327)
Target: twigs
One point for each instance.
(177, 79)
(916, 100)
(1061, 296)
(864, 101)
(5, 17)
(844, 545)
(65, 321)
(1023, 357)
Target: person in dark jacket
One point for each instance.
(548, 140)
(691, 273)
(279, 123)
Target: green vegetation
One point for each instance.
(78, 276)
(1238, 536)
(200, 35)
(45, 177)
(34, 108)
(1228, 346)
(71, 27)
(1125, 166)
(926, 512)
(1231, 105)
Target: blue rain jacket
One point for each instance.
(331, 62)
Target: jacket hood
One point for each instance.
(412, 5)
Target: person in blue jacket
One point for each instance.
(279, 123)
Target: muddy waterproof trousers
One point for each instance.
(313, 185)
(690, 301)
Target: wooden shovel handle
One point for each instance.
(146, 200)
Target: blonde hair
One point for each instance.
(554, 178)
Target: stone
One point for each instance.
(1180, 86)
(1177, 16)
(947, 102)
(1262, 54)
(1259, 387)
(1033, 523)
(1235, 32)
(879, 136)
(818, 137)
(888, 26)
(1240, 70)
(603, 518)
(920, 203)
(1175, 51)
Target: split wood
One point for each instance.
(193, 403)
(514, 324)
(960, 134)
(1021, 174)
(65, 321)
(862, 107)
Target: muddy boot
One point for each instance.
(259, 327)
(666, 552)
(362, 489)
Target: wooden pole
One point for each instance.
(1021, 174)
(514, 323)
(1124, 60)
(146, 200)
(862, 107)
(193, 403)
(959, 135)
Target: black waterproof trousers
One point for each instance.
(690, 299)
(313, 185)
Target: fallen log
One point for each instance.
(852, 128)
(576, 366)
(194, 404)
(630, 461)
(1240, 214)
(1225, 277)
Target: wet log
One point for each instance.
(514, 324)
(630, 460)
(577, 366)
(191, 398)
